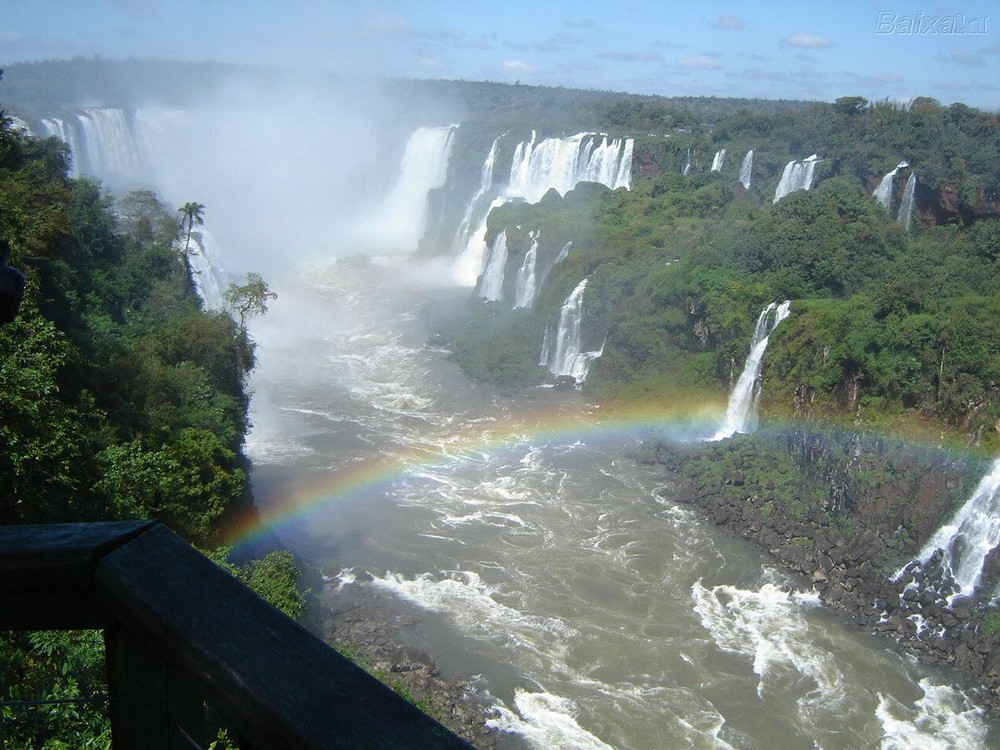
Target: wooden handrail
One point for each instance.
(180, 631)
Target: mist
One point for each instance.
(289, 168)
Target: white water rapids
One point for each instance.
(533, 552)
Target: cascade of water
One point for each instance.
(562, 163)
(905, 215)
(562, 253)
(883, 193)
(207, 273)
(403, 213)
(543, 358)
(491, 286)
(524, 288)
(746, 169)
(473, 258)
(718, 159)
(741, 412)
(687, 164)
(970, 536)
(567, 357)
(471, 245)
(797, 175)
(57, 127)
(107, 148)
(537, 167)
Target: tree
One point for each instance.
(191, 214)
(248, 300)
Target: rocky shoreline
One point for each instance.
(357, 622)
(850, 533)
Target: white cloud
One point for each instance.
(728, 22)
(517, 66)
(429, 63)
(809, 41)
(698, 62)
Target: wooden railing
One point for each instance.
(181, 633)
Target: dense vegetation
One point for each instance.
(888, 326)
(120, 398)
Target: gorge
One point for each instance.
(574, 545)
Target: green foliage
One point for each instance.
(65, 666)
(248, 300)
(275, 578)
(991, 624)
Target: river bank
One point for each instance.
(358, 623)
(847, 514)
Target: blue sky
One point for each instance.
(801, 50)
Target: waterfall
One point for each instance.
(471, 245)
(797, 175)
(543, 358)
(741, 413)
(102, 143)
(524, 288)
(403, 214)
(491, 286)
(207, 273)
(567, 358)
(562, 253)
(905, 215)
(57, 127)
(718, 159)
(562, 163)
(970, 536)
(746, 169)
(687, 164)
(537, 167)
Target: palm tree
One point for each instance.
(191, 213)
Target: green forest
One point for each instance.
(890, 326)
(121, 398)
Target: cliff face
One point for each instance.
(944, 205)
(847, 512)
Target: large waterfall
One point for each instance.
(905, 215)
(970, 536)
(537, 167)
(491, 286)
(746, 169)
(562, 163)
(567, 358)
(741, 412)
(718, 160)
(402, 217)
(524, 289)
(797, 175)
(104, 144)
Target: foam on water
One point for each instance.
(768, 626)
(547, 721)
(942, 719)
(479, 610)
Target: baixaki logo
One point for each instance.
(922, 24)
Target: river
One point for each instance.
(534, 553)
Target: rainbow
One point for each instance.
(560, 425)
